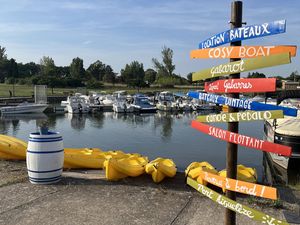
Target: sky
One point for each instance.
(118, 32)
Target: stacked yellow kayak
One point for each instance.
(121, 165)
(195, 168)
(12, 148)
(161, 168)
(247, 174)
(88, 158)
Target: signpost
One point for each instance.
(243, 140)
(233, 205)
(239, 186)
(242, 66)
(241, 116)
(244, 33)
(242, 103)
(242, 51)
(241, 85)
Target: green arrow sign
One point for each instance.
(242, 66)
(234, 206)
(241, 116)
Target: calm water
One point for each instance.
(153, 135)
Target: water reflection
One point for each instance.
(77, 121)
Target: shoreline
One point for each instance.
(85, 197)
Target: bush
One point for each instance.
(94, 84)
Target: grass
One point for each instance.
(25, 90)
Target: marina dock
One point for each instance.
(85, 197)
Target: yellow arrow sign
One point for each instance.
(242, 66)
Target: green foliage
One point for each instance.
(150, 76)
(190, 77)
(166, 67)
(294, 76)
(93, 83)
(76, 69)
(28, 69)
(109, 75)
(256, 75)
(47, 66)
(3, 55)
(134, 74)
(170, 81)
(97, 70)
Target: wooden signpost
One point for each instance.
(242, 103)
(242, 51)
(244, 33)
(241, 116)
(239, 186)
(241, 85)
(242, 140)
(234, 206)
(260, 57)
(242, 66)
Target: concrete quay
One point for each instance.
(85, 197)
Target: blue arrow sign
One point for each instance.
(241, 103)
(244, 33)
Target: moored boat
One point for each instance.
(166, 102)
(142, 104)
(24, 107)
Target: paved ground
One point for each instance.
(85, 197)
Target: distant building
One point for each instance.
(290, 85)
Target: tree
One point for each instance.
(134, 74)
(166, 67)
(47, 67)
(109, 75)
(294, 76)
(76, 69)
(3, 55)
(150, 76)
(12, 73)
(190, 77)
(97, 70)
(256, 75)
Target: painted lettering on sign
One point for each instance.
(240, 186)
(241, 103)
(230, 204)
(244, 33)
(242, 51)
(242, 139)
(241, 116)
(242, 66)
(241, 85)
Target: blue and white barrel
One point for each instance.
(45, 157)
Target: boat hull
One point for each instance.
(30, 108)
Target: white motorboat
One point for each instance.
(284, 131)
(77, 104)
(120, 104)
(24, 107)
(166, 102)
(141, 104)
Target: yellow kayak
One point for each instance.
(132, 165)
(12, 148)
(85, 158)
(195, 168)
(161, 168)
(243, 173)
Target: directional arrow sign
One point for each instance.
(242, 51)
(239, 186)
(241, 85)
(242, 66)
(243, 33)
(234, 206)
(243, 140)
(241, 103)
(241, 116)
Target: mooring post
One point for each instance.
(232, 149)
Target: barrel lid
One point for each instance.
(50, 134)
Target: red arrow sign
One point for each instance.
(242, 139)
(241, 85)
